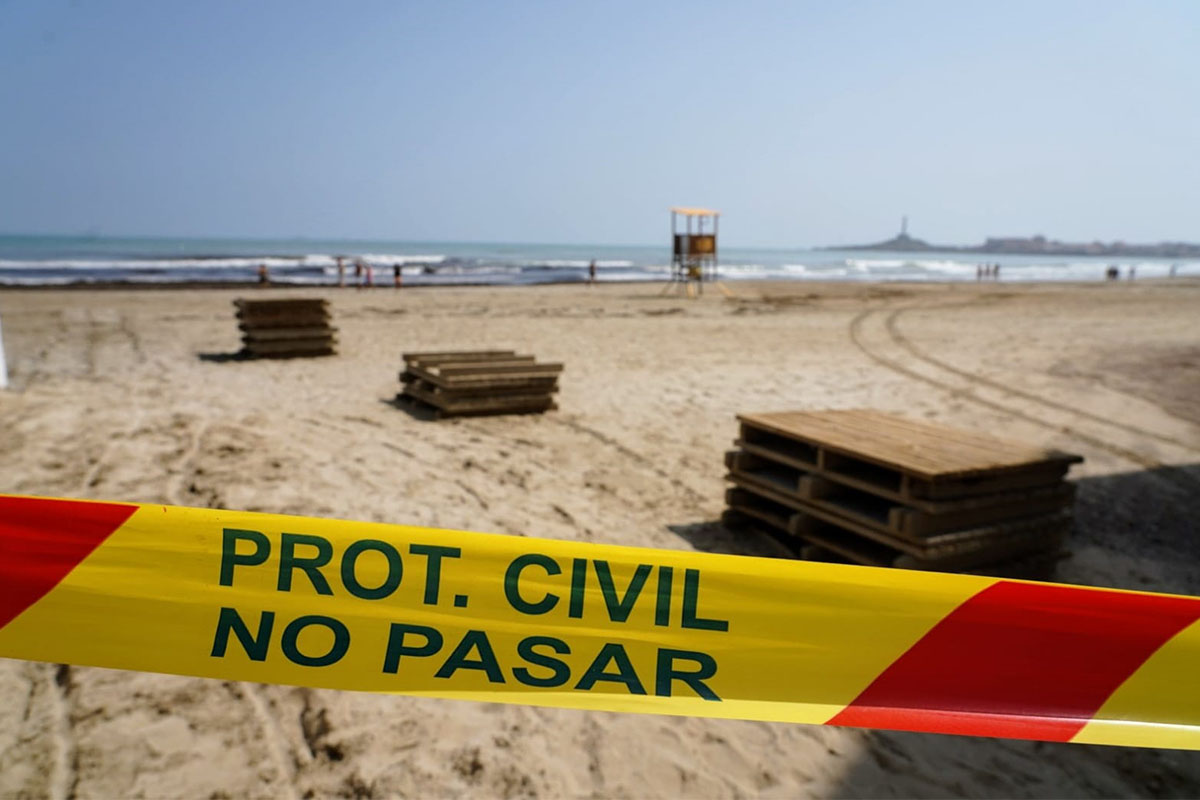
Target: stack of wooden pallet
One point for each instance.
(478, 382)
(285, 328)
(871, 488)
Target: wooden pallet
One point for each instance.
(479, 382)
(534, 387)
(286, 334)
(910, 460)
(294, 328)
(295, 348)
(903, 518)
(254, 323)
(456, 355)
(839, 542)
(872, 528)
(456, 374)
(1010, 536)
(485, 407)
(280, 306)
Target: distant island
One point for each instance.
(1031, 246)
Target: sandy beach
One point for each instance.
(134, 395)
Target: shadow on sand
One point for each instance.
(221, 358)
(1135, 530)
(417, 411)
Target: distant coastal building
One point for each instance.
(1033, 246)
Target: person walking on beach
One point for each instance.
(397, 275)
(370, 275)
(341, 262)
(358, 272)
(592, 272)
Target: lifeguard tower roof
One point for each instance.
(695, 212)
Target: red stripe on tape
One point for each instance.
(1020, 660)
(41, 541)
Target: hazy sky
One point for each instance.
(805, 123)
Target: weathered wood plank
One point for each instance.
(849, 545)
(929, 451)
(453, 370)
(491, 404)
(284, 334)
(477, 381)
(1027, 529)
(917, 517)
(531, 387)
(433, 357)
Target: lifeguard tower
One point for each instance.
(694, 247)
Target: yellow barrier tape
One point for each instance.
(393, 608)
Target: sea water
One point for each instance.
(59, 260)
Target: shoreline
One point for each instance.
(109, 286)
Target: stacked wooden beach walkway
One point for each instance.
(866, 487)
(478, 382)
(285, 328)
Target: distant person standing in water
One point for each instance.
(341, 262)
(397, 275)
(370, 275)
(1132, 271)
(358, 272)
(592, 272)
(996, 272)
(264, 276)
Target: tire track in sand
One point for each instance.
(855, 330)
(893, 328)
(272, 739)
(64, 773)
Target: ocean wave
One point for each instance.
(423, 265)
(576, 263)
(389, 259)
(168, 263)
(865, 264)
